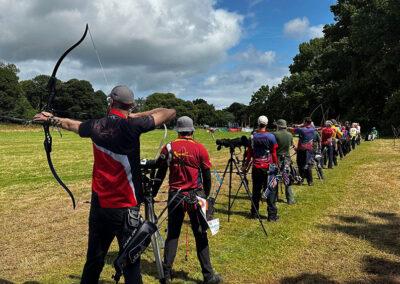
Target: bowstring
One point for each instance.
(158, 152)
(98, 59)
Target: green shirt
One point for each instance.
(285, 141)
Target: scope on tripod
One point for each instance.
(232, 143)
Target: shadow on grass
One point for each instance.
(308, 278)
(383, 236)
(77, 278)
(150, 268)
(5, 281)
(380, 270)
(224, 211)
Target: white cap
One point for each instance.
(263, 120)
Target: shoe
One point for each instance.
(291, 202)
(254, 216)
(167, 276)
(310, 183)
(214, 279)
(273, 219)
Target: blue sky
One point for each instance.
(263, 30)
(219, 50)
(265, 20)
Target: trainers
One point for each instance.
(214, 279)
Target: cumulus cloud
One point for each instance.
(237, 84)
(252, 55)
(299, 28)
(151, 44)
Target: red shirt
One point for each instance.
(327, 134)
(188, 159)
(116, 148)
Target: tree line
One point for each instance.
(77, 99)
(22, 99)
(351, 73)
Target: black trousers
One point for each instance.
(176, 215)
(329, 160)
(335, 145)
(104, 225)
(353, 142)
(340, 149)
(260, 182)
(304, 162)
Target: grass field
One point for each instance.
(344, 230)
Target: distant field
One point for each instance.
(346, 229)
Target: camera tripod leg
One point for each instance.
(150, 215)
(231, 161)
(246, 187)
(222, 181)
(237, 192)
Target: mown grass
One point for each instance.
(345, 229)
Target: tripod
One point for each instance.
(150, 215)
(229, 168)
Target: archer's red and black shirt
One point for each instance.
(188, 159)
(262, 149)
(327, 134)
(116, 148)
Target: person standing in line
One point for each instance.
(262, 151)
(337, 150)
(116, 181)
(189, 176)
(353, 135)
(327, 134)
(305, 149)
(285, 142)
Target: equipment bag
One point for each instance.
(134, 247)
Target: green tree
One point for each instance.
(239, 112)
(353, 70)
(12, 100)
(77, 99)
(205, 113)
(222, 118)
(36, 91)
(169, 100)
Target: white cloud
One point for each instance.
(237, 85)
(254, 56)
(149, 43)
(299, 28)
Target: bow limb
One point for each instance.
(317, 107)
(49, 107)
(53, 80)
